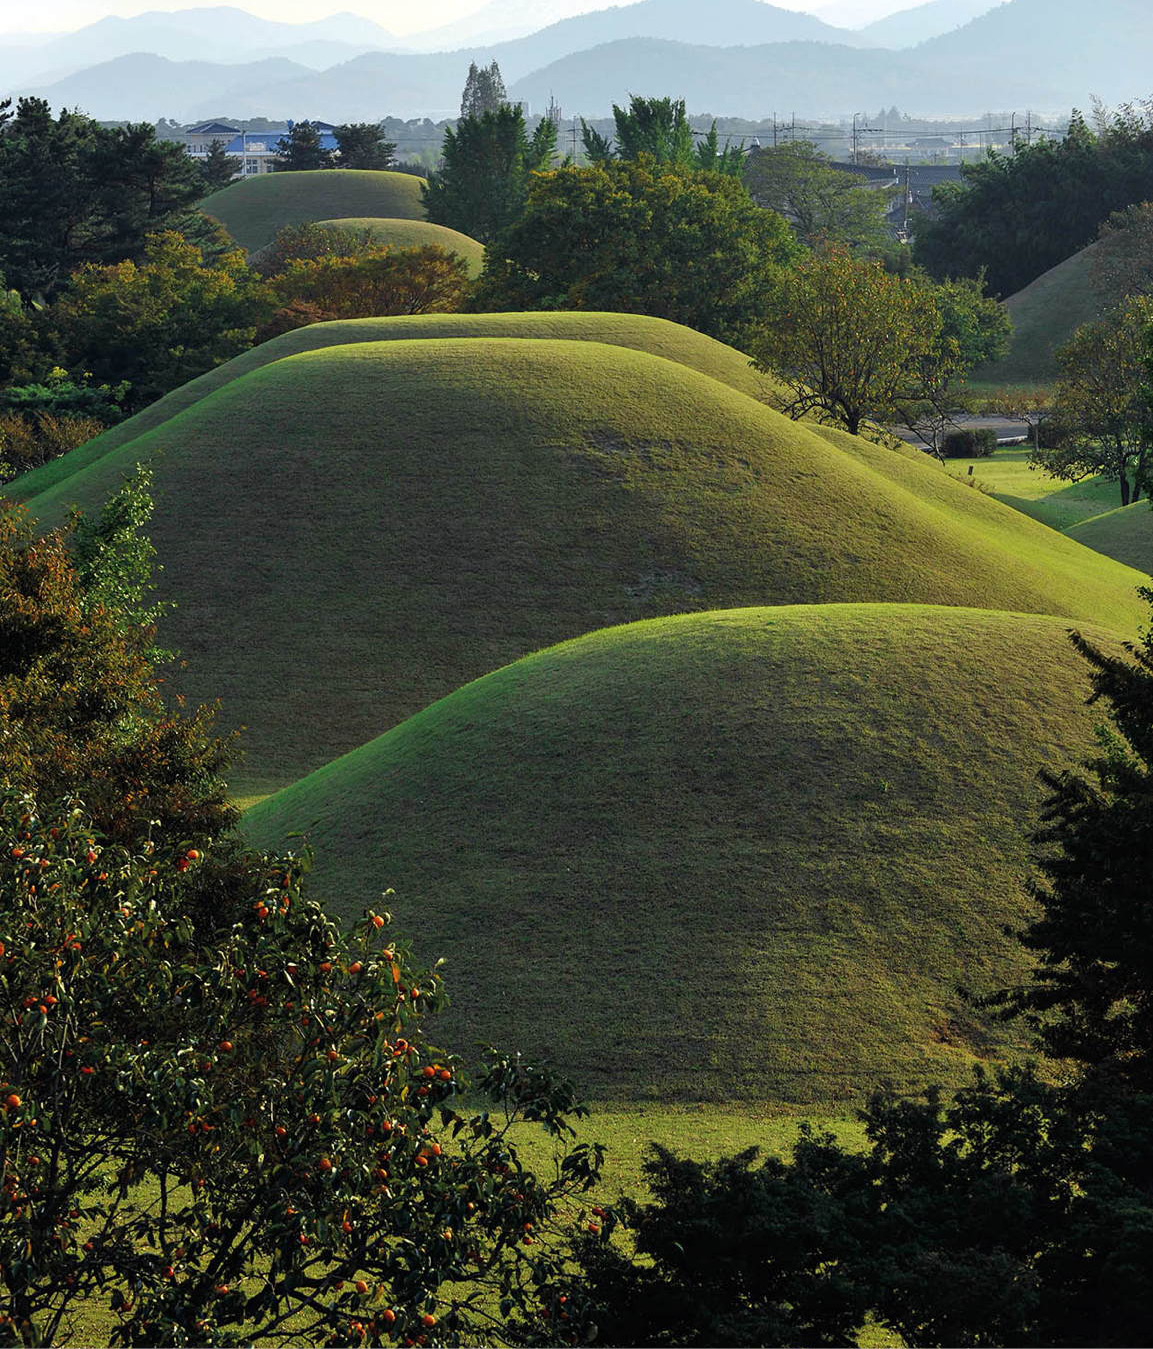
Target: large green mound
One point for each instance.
(658, 337)
(414, 234)
(1045, 316)
(353, 533)
(253, 209)
(1125, 534)
(746, 854)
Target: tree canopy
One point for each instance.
(489, 159)
(660, 129)
(633, 236)
(1101, 402)
(1016, 215)
(823, 204)
(74, 192)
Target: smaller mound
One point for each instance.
(414, 234)
(1045, 316)
(738, 855)
(253, 209)
(658, 337)
(1126, 535)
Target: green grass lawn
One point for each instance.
(1125, 534)
(1045, 315)
(637, 332)
(743, 855)
(1054, 501)
(253, 209)
(414, 234)
(351, 533)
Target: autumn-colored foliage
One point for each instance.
(381, 282)
(81, 701)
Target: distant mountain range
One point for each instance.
(730, 57)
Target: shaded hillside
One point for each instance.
(253, 209)
(354, 532)
(1045, 316)
(1125, 534)
(732, 855)
(908, 27)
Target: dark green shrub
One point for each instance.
(969, 443)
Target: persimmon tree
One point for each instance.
(224, 1124)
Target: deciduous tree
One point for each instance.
(1101, 404)
(160, 322)
(634, 237)
(823, 204)
(382, 281)
(660, 129)
(851, 341)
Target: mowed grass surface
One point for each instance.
(253, 209)
(1045, 315)
(1125, 534)
(741, 855)
(1054, 501)
(350, 534)
(658, 337)
(414, 234)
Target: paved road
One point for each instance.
(1007, 431)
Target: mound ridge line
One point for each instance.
(350, 534)
(744, 855)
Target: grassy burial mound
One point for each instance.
(1045, 316)
(414, 234)
(355, 532)
(1125, 534)
(746, 854)
(656, 336)
(253, 209)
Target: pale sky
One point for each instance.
(398, 16)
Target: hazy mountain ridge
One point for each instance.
(910, 27)
(1019, 54)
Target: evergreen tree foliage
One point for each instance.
(218, 168)
(660, 129)
(301, 150)
(487, 166)
(74, 192)
(1016, 215)
(484, 91)
(361, 145)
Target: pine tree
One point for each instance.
(1091, 999)
(361, 145)
(218, 168)
(301, 150)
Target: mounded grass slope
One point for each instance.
(1125, 534)
(746, 854)
(1045, 316)
(253, 209)
(353, 533)
(415, 234)
(658, 337)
